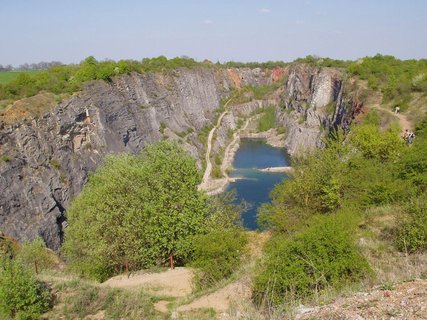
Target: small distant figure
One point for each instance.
(397, 110)
(408, 136)
(411, 137)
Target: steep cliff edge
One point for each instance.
(46, 160)
(315, 101)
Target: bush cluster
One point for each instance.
(321, 256)
(371, 167)
(267, 120)
(70, 78)
(21, 295)
(141, 211)
(217, 255)
(395, 78)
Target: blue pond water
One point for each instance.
(256, 186)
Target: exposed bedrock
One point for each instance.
(46, 160)
(312, 104)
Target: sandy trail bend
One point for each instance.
(208, 170)
(173, 283)
(403, 121)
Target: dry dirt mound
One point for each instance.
(28, 107)
(221, 299)
(173, 283)
(403, 301)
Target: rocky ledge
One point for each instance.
(45, 160)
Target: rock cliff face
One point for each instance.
(313, 102)
(46, 160)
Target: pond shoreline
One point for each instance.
(217, 186)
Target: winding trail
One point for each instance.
(230, 150)
(208, 170)
(376, 104)
(403, 121)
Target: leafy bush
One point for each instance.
(21, 295)
(376, 144)
(217, 255)
(413, 165)
(321, 256)
(35, 255)
(83, 299)
(395, 78)
(411, 235)
(268, 119)
(135, 212)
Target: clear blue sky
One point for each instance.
(242, 30)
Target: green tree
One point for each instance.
(21, 295)
(136, 211)
(321, 256)
(35, 255)
(411, 235)
(217, 255)
(87, 70)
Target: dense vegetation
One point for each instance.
(141, 211)
(395, 78)
(145, 210)
(252, 65)
(70, 78)
(267, 119)
(9, 76)
(315, 216)
(22, 296)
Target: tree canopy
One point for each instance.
(139, 211)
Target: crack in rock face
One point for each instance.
(48, 158)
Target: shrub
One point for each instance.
(55, 164)
(268, 119)
(216, 170)
(35, 255)
(135, 212)
(413, 165)
(217, 255)
(374, 144)
(83, 300)
(321, 256)
(21, 295)
(411, 235)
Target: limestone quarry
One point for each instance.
(50, 155)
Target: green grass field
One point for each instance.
(8, 76)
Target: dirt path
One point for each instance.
(172, 283)
(231, 149)
(221, 299)
(216, 186)
(375, 103)
(208, 170)
(403, 121)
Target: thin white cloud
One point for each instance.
(207, 21)
(264, 10)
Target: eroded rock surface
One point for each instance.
(46, 160)
(313, 103)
